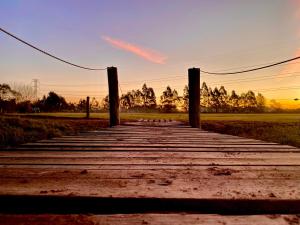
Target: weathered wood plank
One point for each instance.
(150, 219)
(214, 187)
(275, 168)
(149, 160)
(170, 145)
(158, 141)
(154, 149)
(130, 172)
(151, 154)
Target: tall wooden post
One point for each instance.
(194, 97)
(87, 107)
(113, 90)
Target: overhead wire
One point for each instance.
(252, 69)
(47, 53)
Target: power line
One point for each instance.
(297, 74)
(46, 53)
(75, 85)
(250, 66)
(278, 89)
(252, 69)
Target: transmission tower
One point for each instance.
(35, 87)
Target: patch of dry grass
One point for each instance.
(17, 130)
(282, 133)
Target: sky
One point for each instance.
(152, 41)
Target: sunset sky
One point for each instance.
(153, 41)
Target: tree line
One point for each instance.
(214, 100)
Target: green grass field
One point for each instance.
(262, 117)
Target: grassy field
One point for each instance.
(16, 130)
(20, 128)
(262, 117)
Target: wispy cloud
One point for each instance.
(145, 53)
(291, 68)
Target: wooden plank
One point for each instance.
(158, 141)
(158, 154)
(170, 145)
(128, 167)
(150, 219)
(149, 160)
(128, 172)
(154, 149)
(84, 185)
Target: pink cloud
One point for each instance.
(148, 54)
(293, 67)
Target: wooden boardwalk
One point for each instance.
(142, 170)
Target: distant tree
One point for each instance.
(138, 98)
(7, 98)
(24, 107)
(105, 103)
(242, 102)
(185, 98)
(251, 103)
(26, 92)
(149, 98)
(54, 102)
(7, 93)
(234, 102)
(205, 97)
(215, 99)
(223, 99)
(169, 99)
(261, 102)
(275, 106)
(94, 104)
(127, 100)
(81, 106)
(7, 106)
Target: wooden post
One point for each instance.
(113, 89)
(194, 97)
(87, 107)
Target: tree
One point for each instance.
(6, 93)
(251, 103)
(54, 102)
(204, 97)
(26, 92)
(105, 103)
(24, 107)
(81, 106)
(215, 99)
(185, 98)
(149, 98)
(138, 98)
(242, 102)
(234, 102)
(7, 98)
(127, 100)
(261, 102)
(169, 99)
(275, 106)
(94, 104)
(223, 99)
